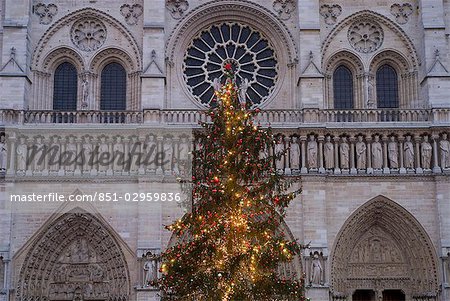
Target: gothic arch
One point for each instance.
(245, 12)
(75, 253)
(60, 33)
(43, 43)
(60, 55)
(382, 246)
(407, 80)
(106, 56)
(353, 62)
(371, 15)
(291, 269)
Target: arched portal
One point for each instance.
(383, 248)
(74, 258)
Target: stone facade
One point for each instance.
(375, 179)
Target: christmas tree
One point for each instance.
(230, 244)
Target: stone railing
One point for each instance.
(274, 117)
(309, 151)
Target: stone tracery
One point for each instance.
(365, 36)
(88, 34)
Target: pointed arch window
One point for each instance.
(113, 88)
(387, 87)
(65, 88)
(343, 88)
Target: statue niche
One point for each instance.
(77, 259)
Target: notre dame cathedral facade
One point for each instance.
(357, 93)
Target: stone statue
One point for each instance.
(444, 146)
(3, 153)
(87, 153)
(39, 154)
(103, 149)
(361, 153)
(21, 153)
(243, 91)
(150, 151)
(70, 157)
(85, 91)
(426, 153)
(263, 153)
(312, 152)
(278, 151)
(328, 150)
(294, 155)
(377, 154)
(119, 155)
(316, 270)
(393, 153)
(216, 84)
(168, 154)
(344, 151)
(150, 270)
(408, 149)
(54, 160)
(183, 157)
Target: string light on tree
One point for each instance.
(234, 244)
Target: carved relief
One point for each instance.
(383, 251)
(78, 260)
(284, 8)
(330, 13)
(88, 34)
(131, 13)
(401, 12)
(46, 12)
(365, 36)
(177, 8)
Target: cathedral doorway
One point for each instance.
(75, 257)
(383, 253)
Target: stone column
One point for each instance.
(12, 156)
(436, 168)
(353, 170)
(369, 154)
(160, 149)
(418, 158)
(401, 155)
(304, 169)
(337, 170)
(321, 168)
(386, 170)
(176, 155)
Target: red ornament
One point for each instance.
(228, 66)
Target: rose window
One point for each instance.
(365, 36)
(88, 34)
(251, 56)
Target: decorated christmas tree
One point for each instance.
(231, 244)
